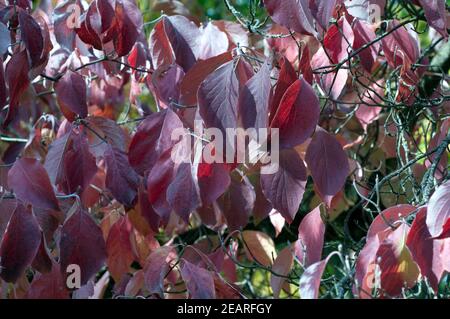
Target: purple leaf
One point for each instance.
(71, 94)
(16, 74)
(199, 281)
(121, 179)
(328, 164)
(82, 244)
(284, 187)
(213, 181)
(19, 244)
(32, 37)
(183, 36)
(31, 184)
(238, 203)
(182, 194)
(79, 164)
(156, 269)
(254, 99)
(218, 96)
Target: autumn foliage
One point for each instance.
(92, 91)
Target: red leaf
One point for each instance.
(106, 11)
(338, 41)
(160, 49)
(156, 269)
(425, 251)
(158, 181)
(119, 248)
(259, 247)
(128, 26)
(91, 26)
(286, 78)
(225, 290)
(213, 181)
(439, 210)
(199, 281)
(82, 244)
(19, 244)
(7, 208)
(328, 164)
(121, 179)
(116, 136)
(152, 139)
(31, 184)
(398, 270)
(284, 186)
(146, 209)
(297, 115)
(305, 66)
(292, 14)
(71, 94)
(262, 207)
(137, 58)
(48, 286)
(365, 34)
(311, 232)
(16, 74)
